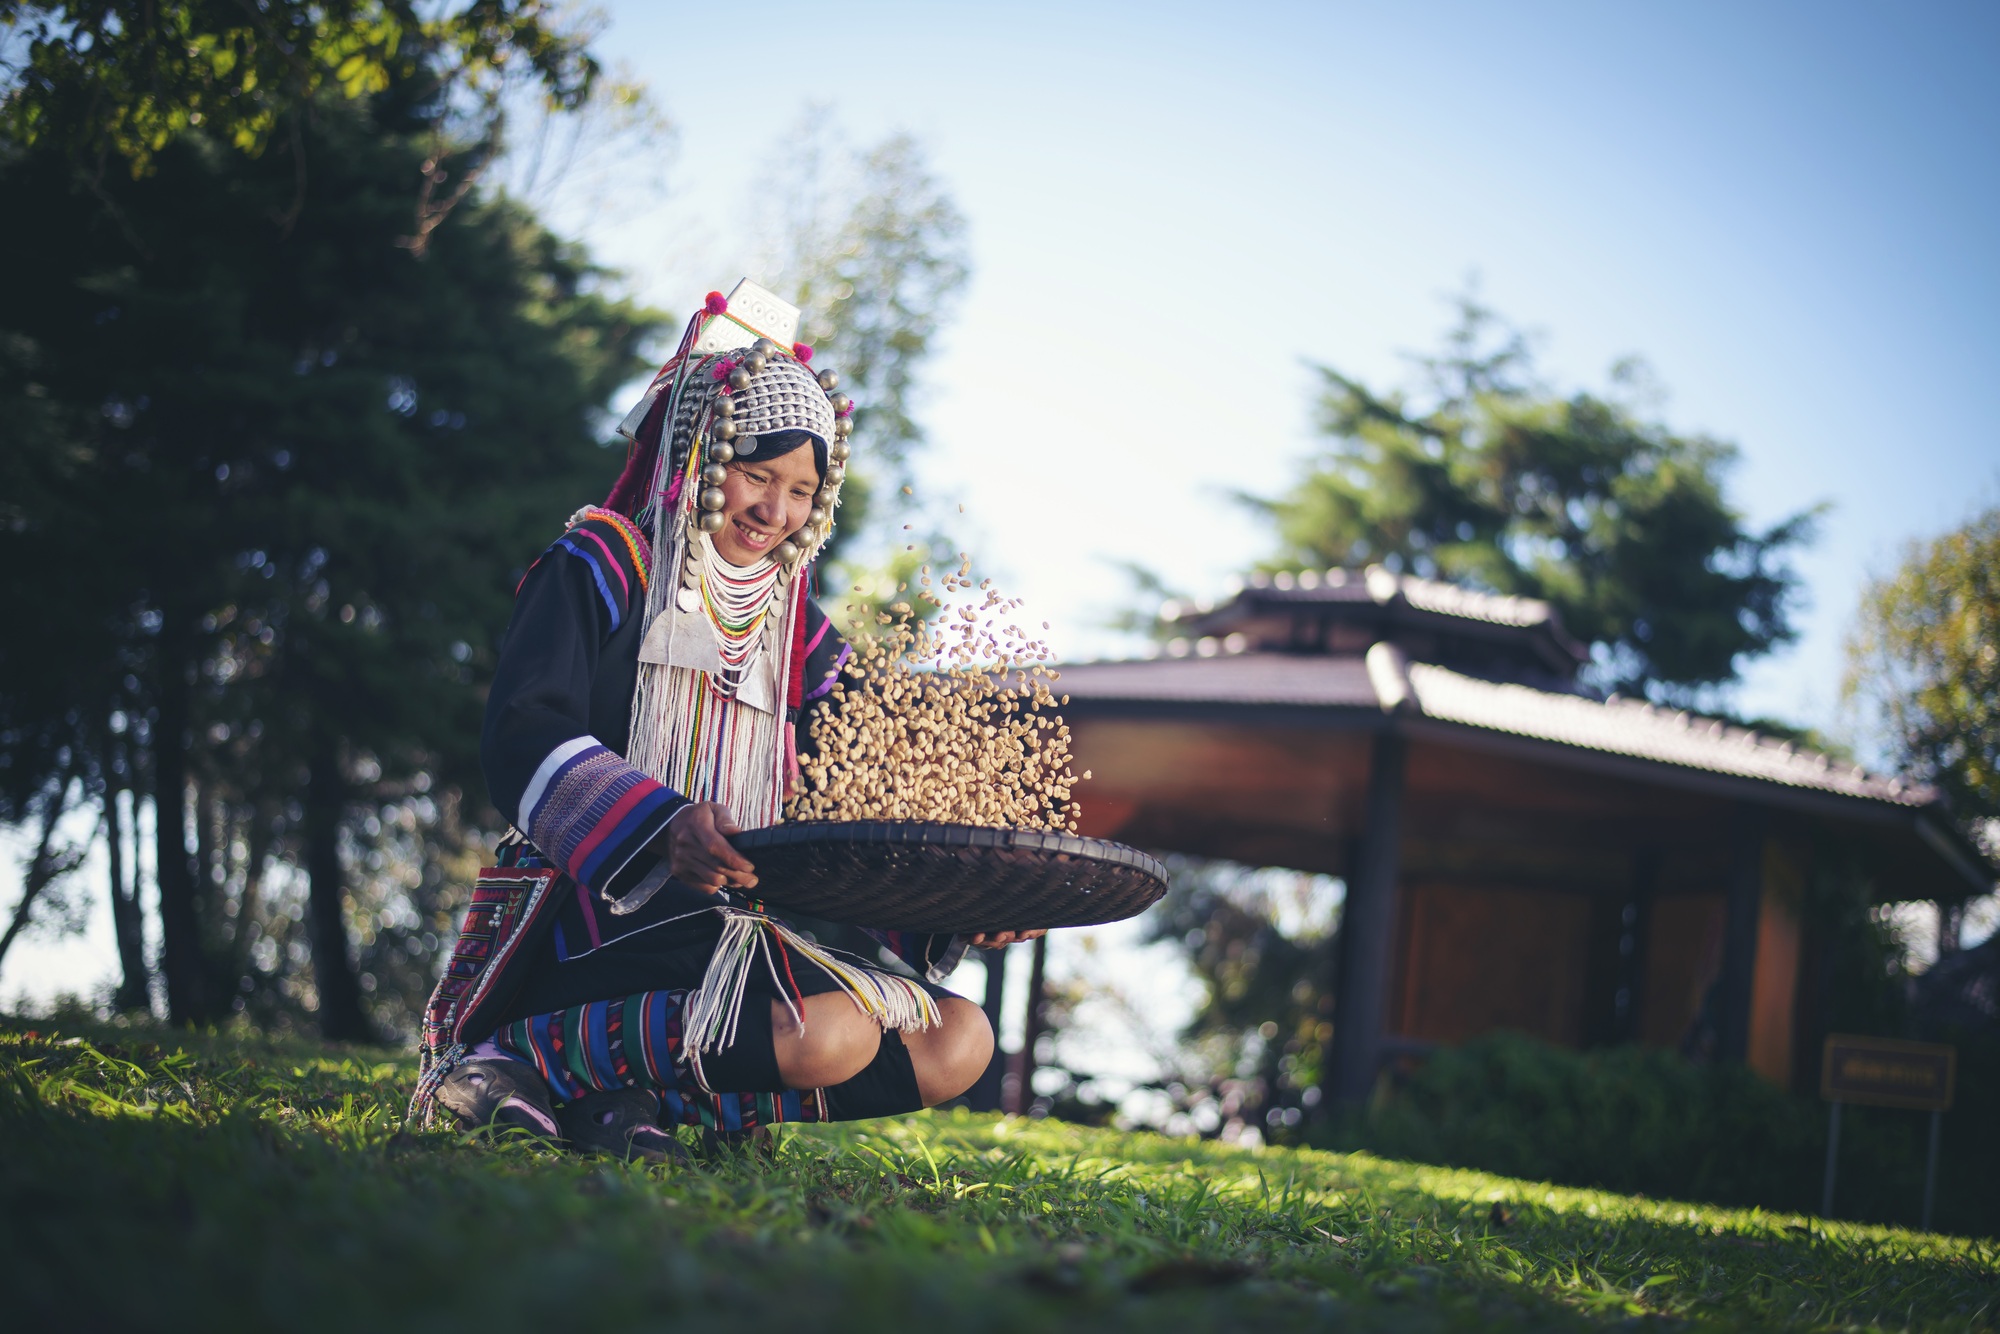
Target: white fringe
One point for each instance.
(714, 1008)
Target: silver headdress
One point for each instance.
(709, 715)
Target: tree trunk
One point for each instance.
(340, 1015)
(128, 927)
(188, 994)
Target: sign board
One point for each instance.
(1882, 1072)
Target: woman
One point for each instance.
(652, 695)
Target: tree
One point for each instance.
(1923, 662)
(292, 469)
(1486, 478)
(122, 79)
(871, 247)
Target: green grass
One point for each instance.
(164, 1181)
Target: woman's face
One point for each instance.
(765, 501)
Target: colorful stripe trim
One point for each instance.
(590, 812)
(825, 687)
(636, 1042)
(635, 541)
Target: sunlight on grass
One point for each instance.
(282, 1172)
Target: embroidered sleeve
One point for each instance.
(587, 810)
(591, 813)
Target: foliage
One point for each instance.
(1647, 1121)
(100, 79)
(165, 1181)
(1261, 943)
(871, 247)
(292, 477)
(1924, 660)
(1485, 478)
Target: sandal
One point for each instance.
(501, 1095)
(623, 1123)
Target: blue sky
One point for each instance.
(1786, 208)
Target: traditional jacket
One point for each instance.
(557, 729)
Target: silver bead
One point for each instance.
(829, 379)
(715, 474)
(839, 452)
(843, 427)
(712, 522)
(755, 363)
(786, 553)
(835, 475)
(725, 429)
(712, 498)
(827, 495)
(840, 403)
(815, 516)
(739, 378)
(725, 406)
(764, 347)
(720, 451)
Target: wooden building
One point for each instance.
(1518, 852)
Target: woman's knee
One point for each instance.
(950, 1059)
(834, 1044)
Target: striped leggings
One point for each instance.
(636, 1042)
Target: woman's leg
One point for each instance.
(835, 1043)
(950, 1058)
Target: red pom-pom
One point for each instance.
(721, 369)
(847, 411)
(715, 303)
(803, 351)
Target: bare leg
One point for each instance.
(835, 1045)
(950, 1058)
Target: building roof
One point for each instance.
(1308, 610)
(1238, 678)
(1644, 731)
(1385, 681)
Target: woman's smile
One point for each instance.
(764, 501)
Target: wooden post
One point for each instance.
(1739, 941)
(1368, 929)
(985, 1095)
(1930, 1167)
(1031, 1030)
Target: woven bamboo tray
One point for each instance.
(907, 875)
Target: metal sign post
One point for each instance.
(1883, 1072)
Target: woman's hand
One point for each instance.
(698, 854)
(993, 940)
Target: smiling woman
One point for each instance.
(767, 500)
(613, 978)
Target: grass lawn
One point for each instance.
(152, 1181)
